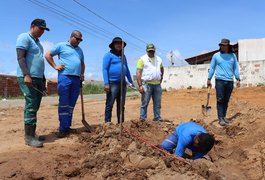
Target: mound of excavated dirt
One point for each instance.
(113, 156)
(239, 151)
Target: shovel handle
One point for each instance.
(82, 103)
(208, 96)
(209, 89)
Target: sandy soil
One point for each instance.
(239, 152)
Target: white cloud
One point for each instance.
(204, 51)
(89, 76)
(133, 60)
(176, 59)
(14, 72)
(52, 75)
(93, 75)
(7, 47)
(47, 45)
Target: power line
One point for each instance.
(84, 20)
(67, 17)
(70, 16)
(109, 22)
(76, 20)
(104, 19)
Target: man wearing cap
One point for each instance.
(71, 70)
(149, 76)
(225, 66)
(30, 73)
(112, 67)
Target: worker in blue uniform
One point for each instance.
(189, 135)
(70, 69)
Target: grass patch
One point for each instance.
(12, 98)
(260, 84)
(89, 88)
(93, 88)
(98, 88)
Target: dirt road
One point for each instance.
(102, 154)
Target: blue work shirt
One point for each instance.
(112, 68)
(182, 138)
(34, 55)
(70, 57)
(225, 66)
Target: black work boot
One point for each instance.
(30, 136)
(38, 137)
(226, 120)
(222, 122)
(71, 131)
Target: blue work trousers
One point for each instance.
(170, 143)
(68, 91)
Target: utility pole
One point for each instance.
(121, 115)
(171, 58)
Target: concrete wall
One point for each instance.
(252, 73)
(185, 76)
(251, 50)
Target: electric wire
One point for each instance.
(68, 17)
(71, 18)
(97, 31)
(107, 21)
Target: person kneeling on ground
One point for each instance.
(189, 135)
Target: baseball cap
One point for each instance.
(40, 23)
(150, 47)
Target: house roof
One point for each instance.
(200, 59)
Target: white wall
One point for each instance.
(185, 76)
(251, 56)
(251, 50)
(252, 73)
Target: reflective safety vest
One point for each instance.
(151, 71)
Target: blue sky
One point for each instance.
(187, 28)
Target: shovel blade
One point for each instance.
(206, 110)
(87, 126)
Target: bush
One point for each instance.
(93, 88)
(98, 88)
(261, 84)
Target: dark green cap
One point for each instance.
(150, 47)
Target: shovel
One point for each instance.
(121, 115)
(84, 122)
(205, 108)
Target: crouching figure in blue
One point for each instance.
(189, 135)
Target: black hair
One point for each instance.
(114, 51)
(231, 50)
(75, 32)
(206, 142)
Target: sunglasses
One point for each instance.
(78, 39)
